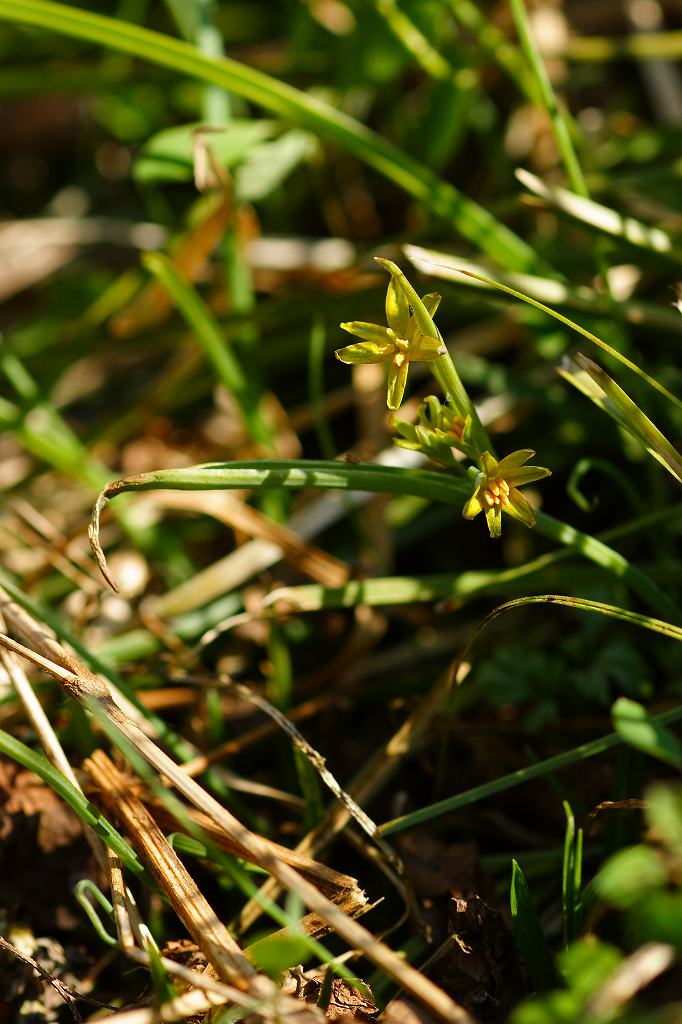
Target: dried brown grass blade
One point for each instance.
(306, 557)
(343, 889)
(93, 693)
(191, 254)
(372, 778)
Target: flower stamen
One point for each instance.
(497, 489)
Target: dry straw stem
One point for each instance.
(320, 765)
(126, 914)
(305, 557)
(265, 1001)
(64, 991)
(95, 696)
(343, 889)
(372, 778)
(201, 921)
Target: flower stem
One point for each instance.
(456, 395)
(443, 368)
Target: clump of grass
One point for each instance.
(327, 723)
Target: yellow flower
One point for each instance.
(402, 342)
(497, 489)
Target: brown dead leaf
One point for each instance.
(42, 851)
(479, 966)
(153, 305)
(24, 795)
(343, 1000)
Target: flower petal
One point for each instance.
(473, 505)
(489, 465)
(397, 378)
(493, 518)
(368, 332)
(424, 349)
(397, 309)
(365, 352)
(526, 475)
(432, 302)
(513, 461)
(519, 508)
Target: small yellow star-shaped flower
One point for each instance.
(402, 342)
(497, 489)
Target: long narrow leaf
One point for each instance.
(552, 293)
(602, 218)
(459, 266)
(517, 778)
(421, 483)
(221, 356)
(640, 730)
(531, 939)
(471, 220)
(633, 419)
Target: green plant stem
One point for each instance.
(413, 40)
(443, 368)
(548, 96)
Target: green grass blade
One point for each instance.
(571, 877)
(317, 356)
(574, 327)
(81, 889)
(544, 289)
(602, 218)
(491, 40)
(632, 418)
(558, 117)
(414, 42)
(472, 221)
(517, 778)
(220, 355)
(667, 629)
(420, 483)
(530, 937)
(641, 46)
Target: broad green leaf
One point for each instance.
(276, 953)
(587, 964)
(629, 875)
(664, 815)
(269, 164)
(640, 730)
(169, 155)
